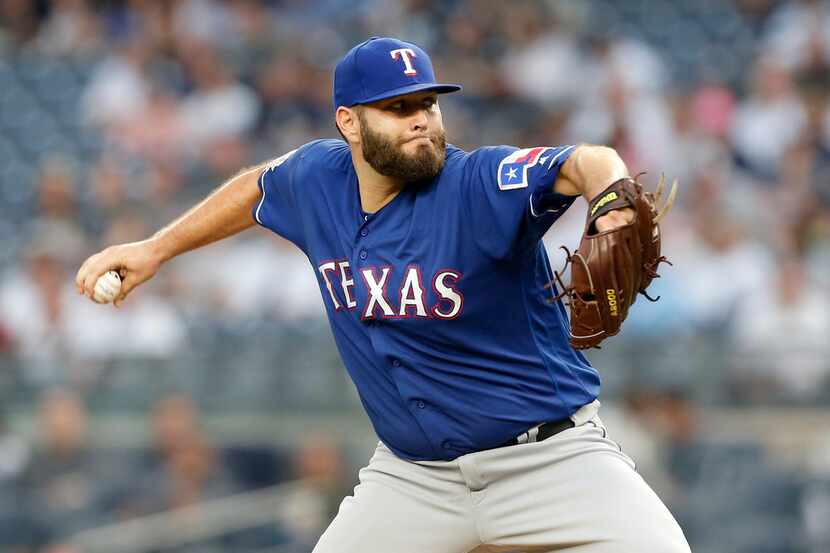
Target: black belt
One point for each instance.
(541, 432)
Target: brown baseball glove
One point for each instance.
(611, 268)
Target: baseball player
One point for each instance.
(436, 285)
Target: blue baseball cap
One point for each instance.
(382, 68)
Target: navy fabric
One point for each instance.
(381, 68)
(437, 301)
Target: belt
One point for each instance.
(541, 432)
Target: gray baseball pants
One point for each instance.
(575, 492)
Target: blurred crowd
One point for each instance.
(62, 483)
(117, 115)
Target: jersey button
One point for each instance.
(421, 404)
(447, 444)
(363, 232)
(363, 254)
(396, 363)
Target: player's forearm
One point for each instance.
(590, 170)
(225, 212)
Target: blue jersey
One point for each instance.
(437, 301)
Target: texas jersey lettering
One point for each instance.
(437, 302)
(411, 296)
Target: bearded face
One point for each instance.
(386, 155)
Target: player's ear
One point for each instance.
(348, 123)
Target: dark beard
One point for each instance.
(389, 160)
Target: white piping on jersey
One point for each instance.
(559, 154)
(262, 200)
(532, 211)
(273, 164)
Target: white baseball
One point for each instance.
(107, 287)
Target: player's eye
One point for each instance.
(395, 106)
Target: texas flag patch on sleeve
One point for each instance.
(513, 168)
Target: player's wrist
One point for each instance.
(159, 248)
(593, 169)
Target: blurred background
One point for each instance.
(211, 413)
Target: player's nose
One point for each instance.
(420, 120)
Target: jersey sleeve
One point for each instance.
(278, 207)
(510, 194)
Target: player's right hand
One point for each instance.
(136, 262)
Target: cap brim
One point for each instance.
(437, 87)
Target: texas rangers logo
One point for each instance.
(513, 168)
(406, 54)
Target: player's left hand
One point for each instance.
(614, 219)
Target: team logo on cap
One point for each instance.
(406, 54)
(513, 168)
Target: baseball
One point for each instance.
(107, 287)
